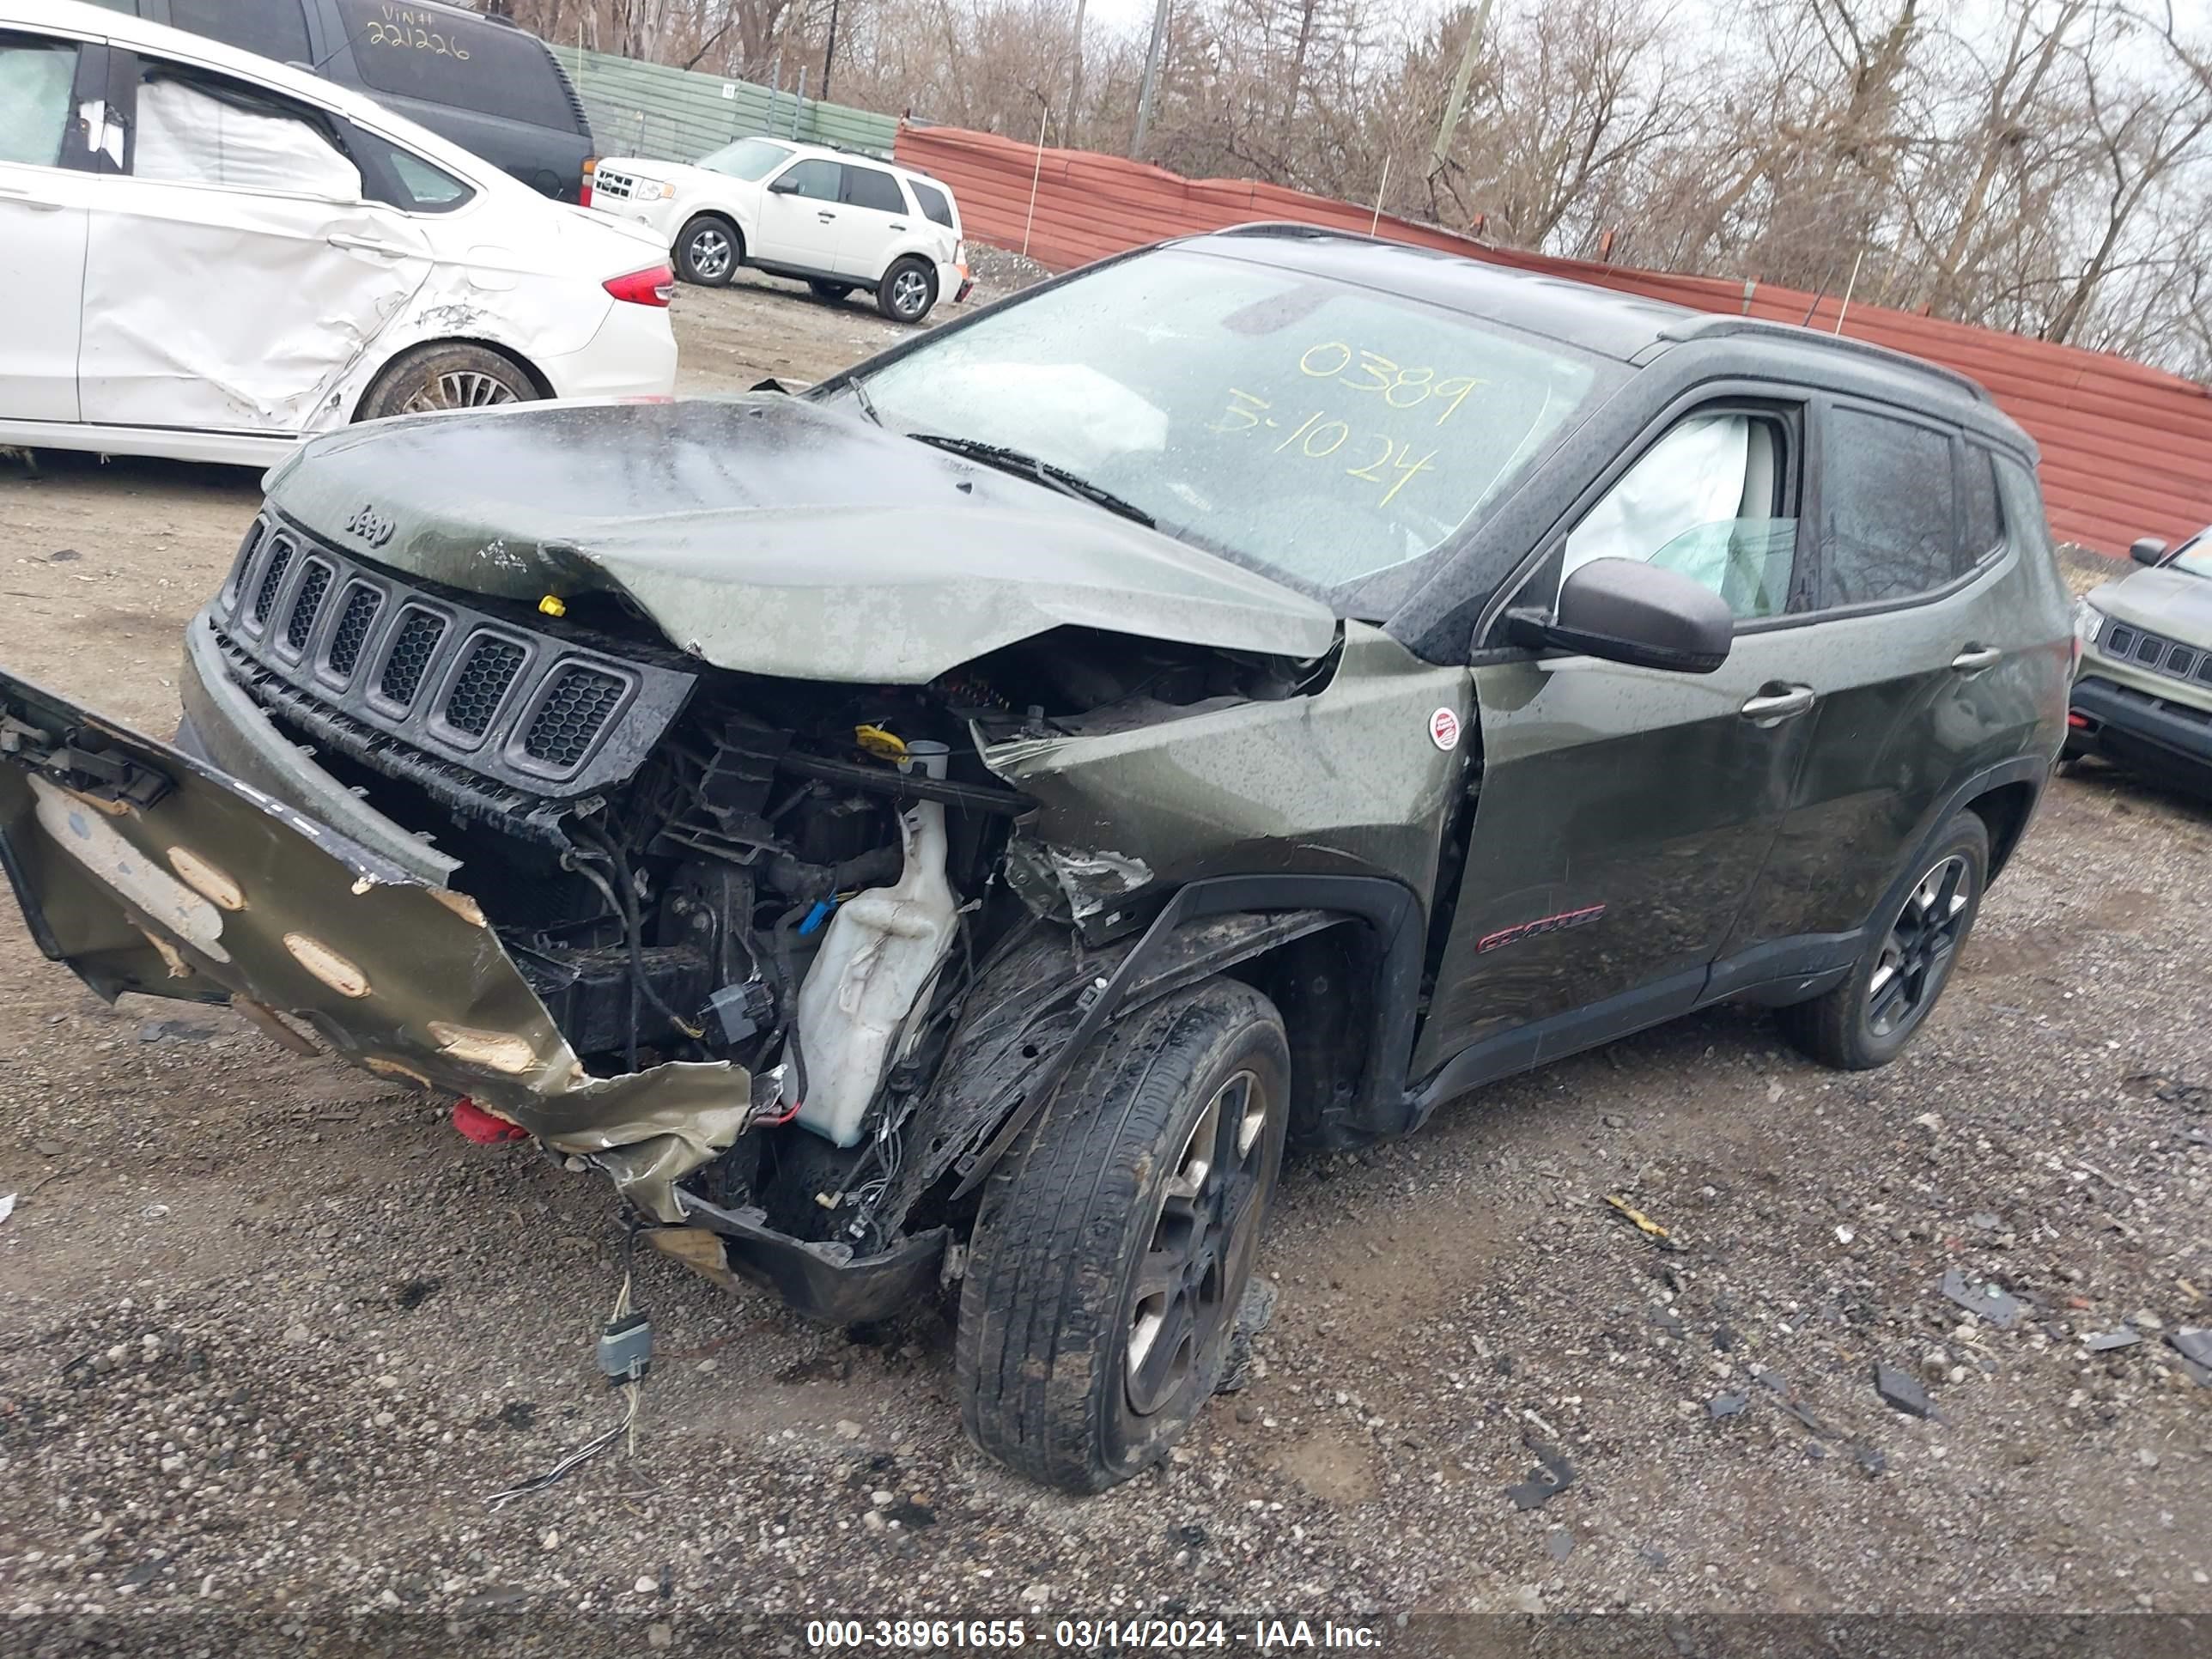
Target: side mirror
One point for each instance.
(2148, 550)
(1627, 612)
(786, 185)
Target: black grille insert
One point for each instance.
(482, 681)
(313, 585)
(246, 550)
(404, 663)
(574, 710)
(272, 580)
(361, 605)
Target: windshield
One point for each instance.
(2195, 554)
(1320, 432)
(749, 159)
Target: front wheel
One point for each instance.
(708, 251)
(908, 290)
(1867, 1019)
(1115, 1242)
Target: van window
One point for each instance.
(444, 56)
(275, 29)
(936, 205)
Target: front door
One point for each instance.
(801, 216)
(47, 185)
(234, 274)
(1623, 813)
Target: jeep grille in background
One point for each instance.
(418, 636)
(480, 685)
(301, 623)
(377, 666)
(272, 578)
(351, 633)
(2158, 655)
(570, 716)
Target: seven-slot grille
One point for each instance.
(2160, 655)
(452, 681)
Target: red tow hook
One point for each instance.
(478, 1124)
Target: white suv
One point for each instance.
(834, 220)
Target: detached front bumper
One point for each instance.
(2152, 733)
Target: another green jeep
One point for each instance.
(955, 826)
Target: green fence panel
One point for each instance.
(677, 115)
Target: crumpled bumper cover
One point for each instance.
(148, 869)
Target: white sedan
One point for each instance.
(207, 255)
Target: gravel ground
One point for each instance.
(270, 1334)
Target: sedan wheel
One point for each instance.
(465, 388)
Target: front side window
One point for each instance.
(1711, 499)
(749, 159)
(199, 129)
(873, 188)
(1326, 434)
(35, 77)
(2194, 555)
(274, 28)
(1887, 520)
(936, 205)
(816, 181)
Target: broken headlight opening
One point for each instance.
(688, 866)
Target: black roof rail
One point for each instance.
(1715, 326)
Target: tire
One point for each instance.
(1867, 1020)
(708, 251)
(907, 291)
(451, 376)
(833, 292)
(1056, 1303)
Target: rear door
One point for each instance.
(234, 272)
(1624, 814)
(801, 216)
(47, 185)
(1922, 654)
(876, 221)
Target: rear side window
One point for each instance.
(275, 29)
(1888, 527)
(1980, 528)
(35, 76)
(194, 128)
(872, 187)
(401, 178)
(936, 205)
(445, 57)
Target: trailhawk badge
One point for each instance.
(1444, 729)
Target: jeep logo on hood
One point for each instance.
(371, 525)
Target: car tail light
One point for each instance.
(655, 286)
(584, 191)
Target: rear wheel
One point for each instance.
(908, 290)
(1867, 1019)
(832, 292)
(708, 251)
(446, 377)
(1115, 1242)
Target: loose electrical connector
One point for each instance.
(626, 1348)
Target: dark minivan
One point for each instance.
(491, 87)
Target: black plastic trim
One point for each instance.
(824, 1281)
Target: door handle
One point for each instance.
(897, 227)
(1773, 707)
(1975, 657)
(367, 245)
(29, 198)
(826, 217)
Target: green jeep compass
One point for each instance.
(950, 830)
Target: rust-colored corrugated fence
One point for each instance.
(2127, 451)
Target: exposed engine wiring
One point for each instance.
(625, 1430)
